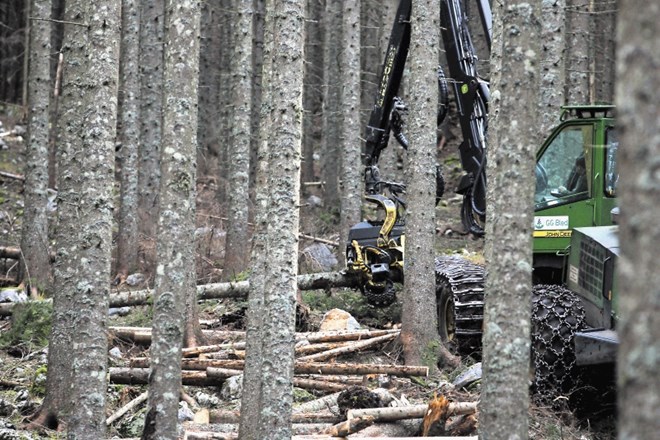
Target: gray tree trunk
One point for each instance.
(224, 117)
(419, 331)
(257, 65)
(151, 96)
(129, 136)
(330, 158)
(236, 248)
(284, 183)
(506, 344)
(251, 419)
(211, 45)
(552, 62)
(351, 170)
(175, 279)
(603, 34)
(577, 52)
(638, 57)
(312, 117)
(37, 272)
(77, 371)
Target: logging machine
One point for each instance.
(576, 179)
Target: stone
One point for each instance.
(232, 388)
(338, 319)
(318, 258)
(14, 295)
(135, 278)
(116, 353)
(185, 413)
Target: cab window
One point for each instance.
(562, 170)
(611, 173)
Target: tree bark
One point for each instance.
(351, 169)
(577, 52)
(152, 16)
(284, 182)
(638, 54)
(419, 331)
(175, 281)
(36, 268)
(127, 234)
(236, 249)
(552, 63)
(506, 339)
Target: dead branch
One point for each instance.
(126, 408)
(344, 335)
(316, 348)
(350, 426)
(357, 346)
(203, 349)
(392, 414)
(319, 240)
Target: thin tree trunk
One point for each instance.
(34, 236)
(419, 332)
(351, 186)
(506, 340)
(284, 183)
(577, 52)
(175, 280)
(251, 419)
(236, 249)
(127, 235)
(552, 63)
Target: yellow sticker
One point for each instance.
(553, 234)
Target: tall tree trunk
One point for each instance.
(284, 183)
(552, 63)
(129, 136)
(224, 117)
(175, 280)
(313, 87)
(251, 419)
(638, 57)
(57, 32)
(257, 63)
(211, 46)
(419, 333)
(351, 174)
(151, 103)
(577, 52)
(236, 249)
(330, 159)
(34, 236)
(506, 347)
(603, 34)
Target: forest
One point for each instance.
(307, 219)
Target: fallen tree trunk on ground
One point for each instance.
(392, 414)
(312, 281)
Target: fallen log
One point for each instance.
(329, 437)
(312, 281)
(356, 346)
(328, 402)
(126, 408)
(316, 348)
(350, 426)
(392, 414)
(203, 349)
(140, 376)
(227, 416)
(321, 385)
(225, 430)
(222, 373)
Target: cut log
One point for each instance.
(304, 350)
(203, 349)
(140, 376)
(391, 414)
(321, 385)
(328, 402)
(393, 370)
(352, 348)
(226, 416)
(222, 373)
(10, 252)
(350, 426)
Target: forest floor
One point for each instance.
(23, 362)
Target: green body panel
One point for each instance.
(590, 131)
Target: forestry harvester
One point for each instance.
(576, 181)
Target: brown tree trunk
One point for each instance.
(37, 272)
(506, 346)
(638, 57)
(175, 280)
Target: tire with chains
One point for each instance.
(460, 302)
(557, 314)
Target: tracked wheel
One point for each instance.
(460, 302)
(557, 314)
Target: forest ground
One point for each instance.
(22, 365)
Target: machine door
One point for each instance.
(564, 193)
